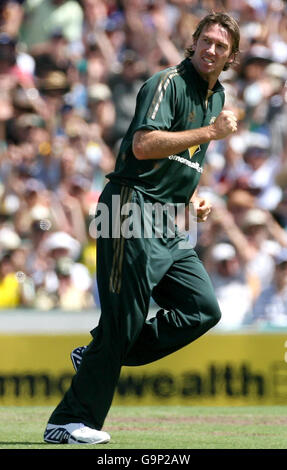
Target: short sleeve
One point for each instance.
(156, 103)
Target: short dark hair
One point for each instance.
(227, 22)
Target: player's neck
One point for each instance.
(209, 78)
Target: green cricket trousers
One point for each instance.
(131, 270)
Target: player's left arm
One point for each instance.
(201, 206)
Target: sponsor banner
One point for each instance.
(217, 369)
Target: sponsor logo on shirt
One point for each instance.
(184, 161)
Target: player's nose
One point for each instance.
(211, 49)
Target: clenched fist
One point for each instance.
(225, 124)
(202, 207)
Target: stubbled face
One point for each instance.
(212, 51)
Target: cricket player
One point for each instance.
(178, 112)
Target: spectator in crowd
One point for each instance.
(238, 203)
(231, 286)
(62, 280)
(262, 169)
(10, 287)
(72, 295)
(270, 309)
(41, 18)
(256, 241)
(11, 16)
(125, 87)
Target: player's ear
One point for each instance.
(231, 59)
(193, 45)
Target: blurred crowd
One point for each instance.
(69, 75)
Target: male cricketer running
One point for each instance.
(178, 112)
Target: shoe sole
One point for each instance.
(76, 441)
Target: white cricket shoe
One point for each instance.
(74, 433)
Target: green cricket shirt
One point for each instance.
(174, 99)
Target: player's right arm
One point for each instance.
(157, 144)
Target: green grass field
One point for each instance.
(160, 428)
